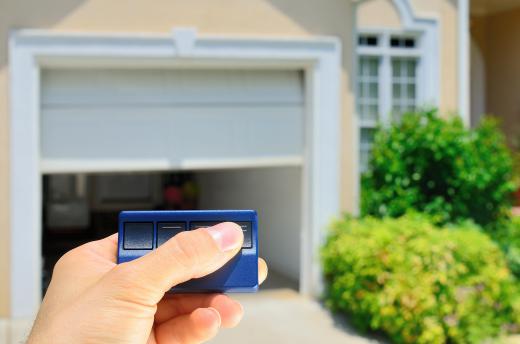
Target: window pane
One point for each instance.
(373, 67)
(409, 43)
(372, 41)
(396, 67)
(404, 87)
(368, 88)
(367, 136)
(410, 91)
(373, 90)
(396, 91)
(372, 112)
(361, 90)
(402, 42)
(368, 40)
(367, 139)
(364, 157)
(411, 64)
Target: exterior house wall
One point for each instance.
(225, 17)
(378, 14)
(446, 12)
(496, 36)
(383, 14)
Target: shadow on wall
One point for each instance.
(309, 15)
(46, 14)
(31, 14)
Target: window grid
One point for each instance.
(400, 94)
(368, 88)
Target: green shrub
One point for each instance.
(438, 167)
(517, 163)
(419, 283)
(508, 236)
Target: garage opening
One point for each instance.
(232, 133)
(93, 104)
(78, 208)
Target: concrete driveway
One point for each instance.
(284, 316)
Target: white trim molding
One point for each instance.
(30, 51)
(464, 61)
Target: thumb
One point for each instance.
(187, 255)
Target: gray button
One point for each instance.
(246, 229)
(138, 236)
(203, 224)
(248, 234)
(167, 230)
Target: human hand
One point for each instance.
(91, 299)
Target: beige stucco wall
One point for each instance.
(226, 17)
(382, 14)
(377, 14)
(446, 12)
(497, 37)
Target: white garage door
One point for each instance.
(110, 120)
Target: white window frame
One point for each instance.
(32, 50)
(385, 53)
(426, 50)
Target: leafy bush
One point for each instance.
(508, 236)
(419, 283)
(438, 167)
(517, 164)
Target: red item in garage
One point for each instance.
(173, 197)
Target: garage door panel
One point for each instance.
(231, 117)
(171, 134)
(151, 88)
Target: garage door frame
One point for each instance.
(32, 50)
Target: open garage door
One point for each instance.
(148, 119)
(106, 134)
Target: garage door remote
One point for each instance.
(141, 232)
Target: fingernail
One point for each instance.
(215, 315)
(227, 235)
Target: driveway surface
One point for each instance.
(284, 316)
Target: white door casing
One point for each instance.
(30, 51)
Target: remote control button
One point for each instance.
(167, 230)
(246, 229)
(203, 224)
(248, 234)
(138, 236)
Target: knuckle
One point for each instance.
(124, 274)
(123, 278)
(124, 284)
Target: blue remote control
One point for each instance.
(140, 232)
